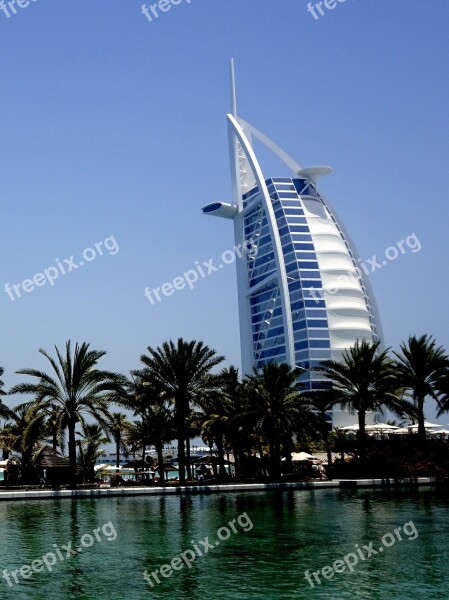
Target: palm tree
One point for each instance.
(363, 381)
(2, 392)
(25, 431)
(239, 421)
(55, 428)
(90, 449)
(442, 390)
(160, 428)
(156, 426)
(137, 439)
(275, 401)
(79, 389)
(52, 423)
(231, 411)
(418, 367)
(213, 423)
(5, 412)
(182, 372)
(7, 439)
(117, 425)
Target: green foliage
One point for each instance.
(419, 367)
(256, 422)
(181, 373)
(76, 388)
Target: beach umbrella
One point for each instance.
(98, 467)
(113, 470)
(427, 425)
(348, 428)
(301, 457)
(381, 427)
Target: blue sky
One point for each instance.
(112, 125)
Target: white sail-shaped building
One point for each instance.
(302, 296)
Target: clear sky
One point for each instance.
(113, 128)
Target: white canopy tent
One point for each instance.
(427, 425)
(301, 457)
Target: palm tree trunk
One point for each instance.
(362, 434)
(181, 452)
(329, 459)
(160, 460)
(275, 458)
(188, 467)
(213, 462)
(262, 460)
(421, 426)
(72, 452)
(117, 450)
(288, 455)
(220, 451)
(180, 416)
(238, 466)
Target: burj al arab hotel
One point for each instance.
(302, 296)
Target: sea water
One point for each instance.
(103, 547)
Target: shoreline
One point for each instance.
(213, 489)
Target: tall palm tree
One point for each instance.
(363, 381)
(276, 401)
(76, 389)
(182, 372)
(418, 367)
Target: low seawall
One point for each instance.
(211, 489)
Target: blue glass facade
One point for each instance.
(309, 317)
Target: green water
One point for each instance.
(292, 532)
